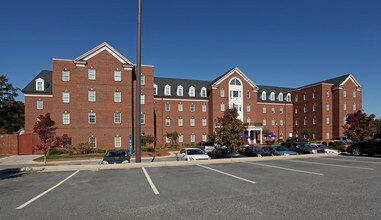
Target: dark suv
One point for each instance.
(302, 147)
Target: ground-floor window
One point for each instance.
(118, 141)
(93, 142)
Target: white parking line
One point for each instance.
(150, 182)
(284, 168)
(356, 161)
(334, 165)
(37, 197)
(237, 177)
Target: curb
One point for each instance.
(97, 167)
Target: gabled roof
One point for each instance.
(221, 78)
(336, 82)
(103, 46)
(185, 83)
(46, 75)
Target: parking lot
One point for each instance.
(342, 187)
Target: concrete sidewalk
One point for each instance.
(18, 160)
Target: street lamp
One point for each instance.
(278, 131)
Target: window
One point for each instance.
(91, 74)
(314, 107)
(222, 93)
(222, 107)
(179, 91)
(203, 107)
(327, 135)
(248, 94)
(248, 108)
(273, 122)
(91, 96)
(345, 106)
(327, 107)
(180, 122)
(167, 90)
(181, 138)
(204, 137)
(192, 107)
(203, 92)
(66, 118)
(192, 91)
(117, 96)
(304, 97)
(280, 97)
(296, 122)
(264, 122)
(288, 97)
(272, 110)
(296, 111)
(192, 122)
(117, 141)
(66, 97)
(167, 122)
(203, 122)
(40, 104)
(354, 93)
(264, 109)
(305, 109)
(39, 84)
(142, 80)
(180, 107)
(296, 98)
(142, 99)
(117, 118)
(155, 89)
(193, 138)
(272, 96)
(248, 120)
(93, 142)
(327, 93)
(142, 118)
(281, 110)
(263, 95)
(167, 107)
(345, 93)
(281, 122)
(167, 140)
(305, 121)
(66, 76)
(314, 121)
(345, 119)
(92, 118)
(354, 107)
(314, 95)
(327, 120)
(117, 76)
(235, 82)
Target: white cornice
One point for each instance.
(38, 95)
(100, 48)
(183, 100)
(236, 69)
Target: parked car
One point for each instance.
(224, 153)
(302, 147)
(347, 140)
(192, 154)
(326, 148)
(277, 150)
(335, 144)
(369, 147)
(252, 151)
(206, 146)
(116, 156)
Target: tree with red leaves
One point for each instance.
(358, 126)
(46, 130)
(228, 129)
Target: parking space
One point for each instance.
(340, 188)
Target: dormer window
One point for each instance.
(263, 96)
(280, 97)
(39, 84)
(272, 96)
(155, 89)
(288, 97)
(167, 90)
(203, 92)
(192, 91)
(179, 91)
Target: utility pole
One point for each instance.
(138, 78)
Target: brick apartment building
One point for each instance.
(92, 98)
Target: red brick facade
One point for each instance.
(162, 114)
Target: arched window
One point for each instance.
(154, 89)
(167, 90)
(263, 96)
(40, 84)
(280, 97)
(192, 91)
(272, 96)
(179, 91)
(288, 97)
(235, 82)
(203, 92)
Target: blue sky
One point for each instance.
(286, 43)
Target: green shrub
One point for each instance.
(100, 151)
(58, 151)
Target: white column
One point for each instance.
(261, 136)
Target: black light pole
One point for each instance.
(278, 132)
(138, 76)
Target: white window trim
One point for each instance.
(65, 76)
(66, 118)
(117, 76)
(40, 104)
(167, 90)
(38, 82)
(203, 92)
(95, 96)
(192, 91)
(118, 142)
(115, 118)
(92, 74)
(117, 96)
(89, 116)
(65, 97)
(180, 91)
